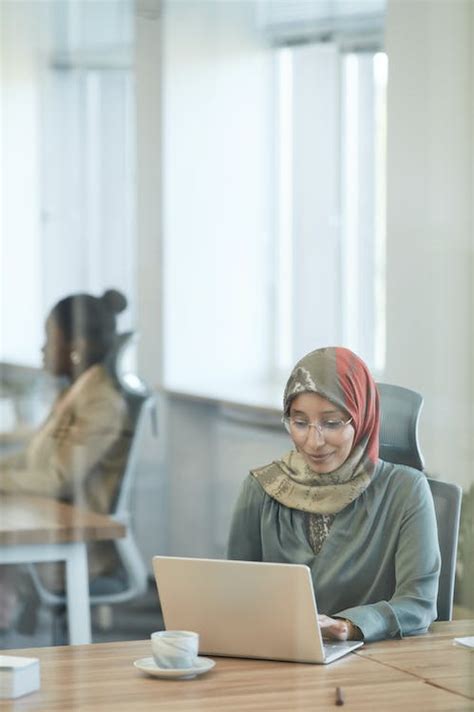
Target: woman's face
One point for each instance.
(56, 350)
(323, 449)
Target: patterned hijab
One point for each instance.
(341, 377)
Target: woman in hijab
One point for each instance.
(366, 528)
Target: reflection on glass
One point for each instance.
(67, 219)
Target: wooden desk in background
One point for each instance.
(398, 676)
(38, 529)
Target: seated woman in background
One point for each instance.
(366, 528)
(77, 455)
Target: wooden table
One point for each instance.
(381, 677)
(432, 657)
(38, 529)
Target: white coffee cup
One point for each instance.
(175, 648)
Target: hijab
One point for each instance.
(341, 377)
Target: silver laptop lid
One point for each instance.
(242, 608)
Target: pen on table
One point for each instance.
(339, 696)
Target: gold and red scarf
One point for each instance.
(341, 377)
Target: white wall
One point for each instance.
(149, 275)
(217, 143)
(23, 34)
(430, 45)
(151, 506)
(210, 454)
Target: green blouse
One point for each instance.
(378, 567)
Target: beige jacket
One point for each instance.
(78, 453)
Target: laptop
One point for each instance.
(245, 609)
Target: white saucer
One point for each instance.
(149, 666)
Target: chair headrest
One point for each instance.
(128, 382)
(400, 410)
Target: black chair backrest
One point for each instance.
(400, 410)
(447, 501)
(400, 413)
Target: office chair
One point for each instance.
(131, 580)
(400, 413)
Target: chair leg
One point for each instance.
(27, 620)
(60, 631)
(104, 617)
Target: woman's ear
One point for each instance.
(79, 353)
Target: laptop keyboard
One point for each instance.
(337, 646)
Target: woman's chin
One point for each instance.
(320, 468)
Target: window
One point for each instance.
(87, 174)
(263, 193)
(68, 155)
(330, 202)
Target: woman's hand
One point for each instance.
(338, 628)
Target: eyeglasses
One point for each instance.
(301, 427)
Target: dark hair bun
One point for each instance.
(115, 300)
